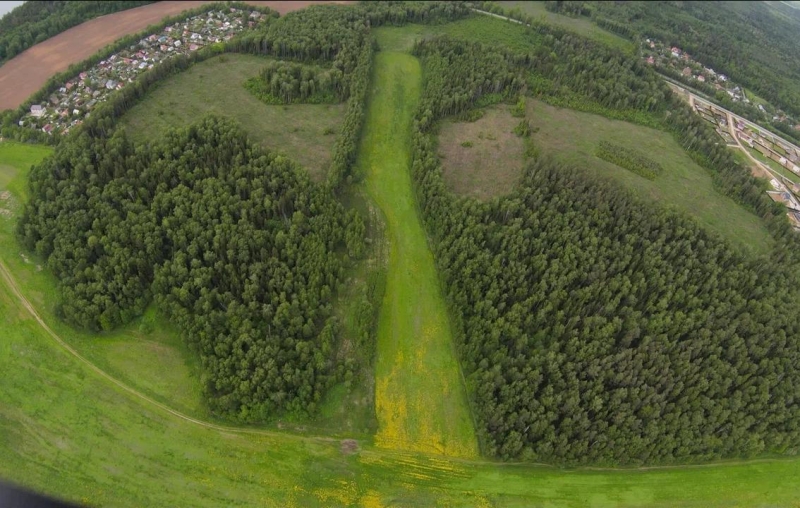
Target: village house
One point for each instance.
(97, 83)
(687, 71)
(701, 78)
(651, 60)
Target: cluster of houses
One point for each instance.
(67, 107)
(772, 147)
(661, 55)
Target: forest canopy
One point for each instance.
(591, 326)
(236, 245)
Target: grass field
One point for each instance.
(419, 399)
(572, 136)
(478, 27)
(580, 26)
(69, 431)
(216, 86)
(491, 162)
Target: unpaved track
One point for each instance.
(11, 283)
(25, 74)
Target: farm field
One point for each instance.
(216, 86)
(484, 158)
(23, 75)
(572, 136)
(419, 396)
(581, 26)
(67, 430)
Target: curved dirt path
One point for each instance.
(11, 283)
(24, 75)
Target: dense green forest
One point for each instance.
(590, 326)
(237, 246)
(593, 328)
(752, 42)
(34, 22)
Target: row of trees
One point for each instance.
(34, 22)
(595, 328)
(628, 158)
(239, 248)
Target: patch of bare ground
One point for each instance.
(482, 159)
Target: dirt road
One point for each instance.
(23, 75)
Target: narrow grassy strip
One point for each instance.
(420, 400)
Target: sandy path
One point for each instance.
(25, 74)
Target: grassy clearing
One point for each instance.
(491, 163)
(481, 28)
(216, 86)
(420, 401)
(581, 26)
(572, 136)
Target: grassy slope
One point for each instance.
(215, 86)
(155, 362)
(581, 26)
(573, 136)
(420, 400)
(68, 432)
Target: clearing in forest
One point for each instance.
(419, 396)
(483, 158)
(579, 25)
(303, 132)
(573, 137)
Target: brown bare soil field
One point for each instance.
(491, 163)
(23, 75)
